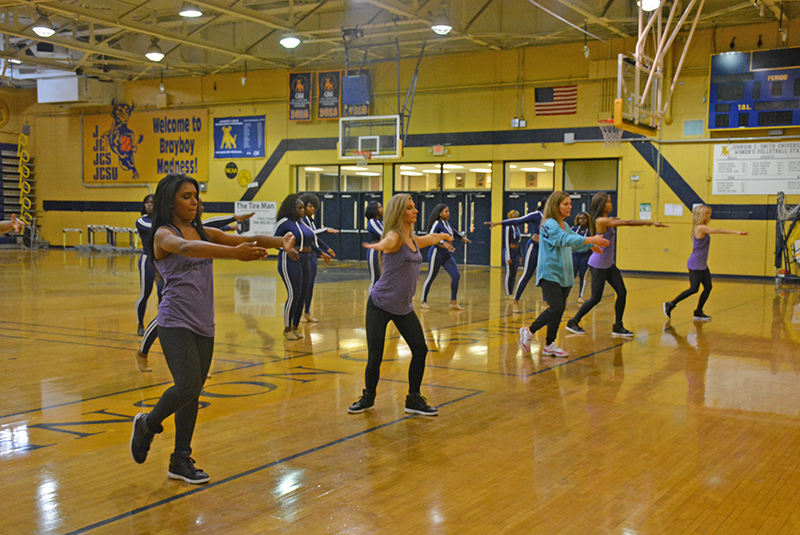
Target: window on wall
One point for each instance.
(340, 178)
(530, 176)
(449, 176)
(590, 175)
(361, 177)
(318, 178)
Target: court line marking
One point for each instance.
(257, 469)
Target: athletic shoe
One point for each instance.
(618, 331)
(525, 339)
(416, 404)
(290, 335)
(424, 304)
(141, 437)
(554, 351)
(182, 467)
(456, 306)
(580, 300)
(574, 328)
(140, 330)
(365, 402)
(668, 308)
(699, 316)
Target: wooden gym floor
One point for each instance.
(688, 428)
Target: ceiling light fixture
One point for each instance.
(154, 52)
(441, 26)
(290, 41)
(649, 5)
(190, 11)
(18, 62)
(43, 27)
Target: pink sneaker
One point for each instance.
(554, 351)
(525, 339)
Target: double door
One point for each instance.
(344, 211)
(468, 212)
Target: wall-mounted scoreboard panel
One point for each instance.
(759, 89)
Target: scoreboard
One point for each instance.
(759, 89)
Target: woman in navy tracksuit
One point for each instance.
(374, 215)
(147, 272)
(534, 219)
(296, 273)
(580, 259)
(311, 202)
(511, 253)
(440, 255)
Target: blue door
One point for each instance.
(328, 216)
(523, 202)
(468, 212)
(582, 201)
(351, 216)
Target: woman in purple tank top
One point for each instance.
(391, 300)
(603, 266)
(182, 249)
(698, 261)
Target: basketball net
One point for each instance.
(362, 157)
(612, 136)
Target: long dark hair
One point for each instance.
(164, 207)
(596, 208)
(288, 207)
(148, 197)
(372, 209)
(437, 211)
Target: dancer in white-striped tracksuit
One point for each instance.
(440, 255)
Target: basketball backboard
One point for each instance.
(378, 134)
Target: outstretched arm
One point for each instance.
(617, 222)
(389, 243)
(705, 229)
(166, 241)
(432, 239)
(14, 224)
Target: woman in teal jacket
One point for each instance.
(554, 274)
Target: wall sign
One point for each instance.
(756, 168)
(239, 137)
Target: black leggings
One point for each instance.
(696, 278)
(189, 358)
(411, 331)
(555, 296)
(599, 278)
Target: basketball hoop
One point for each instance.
(612, 136)
(362, 157)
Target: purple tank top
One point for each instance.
(605, 259)
(187, 299)
(395, 289)
(698, 260)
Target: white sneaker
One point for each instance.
(525, 339)
(554, 351)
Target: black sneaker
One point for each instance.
(574, 328)
(699, 316)
(668, 308)
(141, 437)
(182, 467)
(364, 403)
(619, 331)
(416, 404)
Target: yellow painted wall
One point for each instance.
(455, 93)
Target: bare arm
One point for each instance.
(389, 244)
(705, 229)
(606, 222)
(166, 241)
(432, 239)
(14, 224)
(244, 217)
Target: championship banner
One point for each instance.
(356, 93)
(124, 146)
(300, 96)
(239, 137)
(329, 94)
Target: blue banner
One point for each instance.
(240, 137)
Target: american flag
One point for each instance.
(557, 100)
